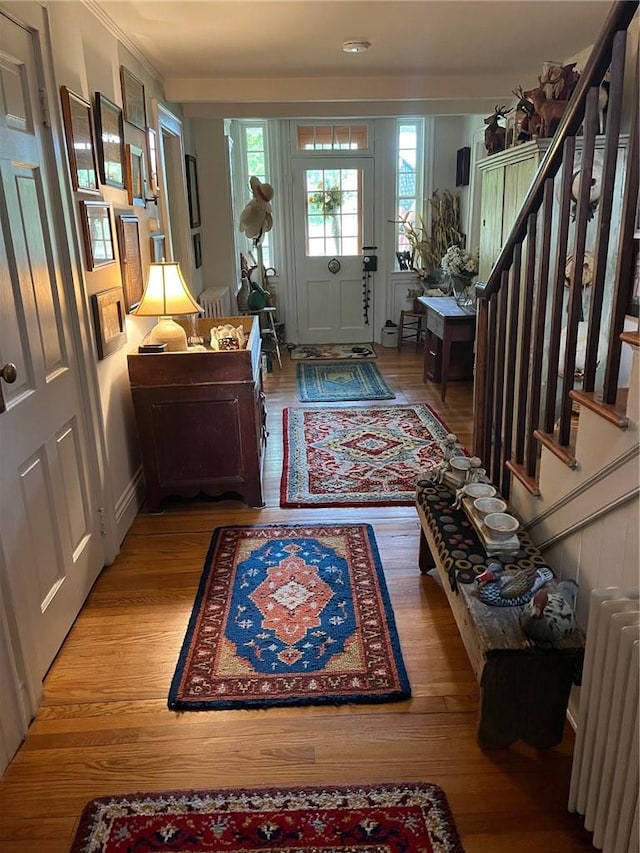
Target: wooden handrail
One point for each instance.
(621, 14)
(496, 398)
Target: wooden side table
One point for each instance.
(448, 324)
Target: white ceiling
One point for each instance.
(438, 51)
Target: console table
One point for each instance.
(448, 349)
(524, 689)
(201, 419)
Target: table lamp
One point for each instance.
(166, 293)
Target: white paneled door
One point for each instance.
(333, 221)
(49, 534)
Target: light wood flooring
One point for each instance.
(104, 727)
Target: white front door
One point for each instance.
(50, 548)
(333, 221)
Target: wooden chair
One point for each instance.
(412, 327)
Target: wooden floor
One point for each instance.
(104, 727)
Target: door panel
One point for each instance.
(50, 540)
(333, 220)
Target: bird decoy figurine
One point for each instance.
(550, 615)
(507, 588)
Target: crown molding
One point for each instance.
(95, 7)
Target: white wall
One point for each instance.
(87, 57)
(218, 248)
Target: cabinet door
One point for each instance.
(490, 220)
(517, 180)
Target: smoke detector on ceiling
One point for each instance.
(358, 46)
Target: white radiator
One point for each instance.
(212, 301)
(604, 775)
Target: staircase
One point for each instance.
(552, 423)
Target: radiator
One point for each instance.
(604, 775)
(212, 301)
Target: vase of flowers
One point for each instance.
(461, 266)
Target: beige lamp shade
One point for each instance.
(165, 294)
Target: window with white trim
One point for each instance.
(255, 158)
(409, 176)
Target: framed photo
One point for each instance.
(135, 111)
(152, 151)
(157, 247)
(192, 191)
(135, 175)
(76, 113)
(130, 259)
(197, 250)
(110, 141)
(108, 318)
(97, 234)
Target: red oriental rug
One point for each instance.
(394, 818)
(357, 456)
(290, 615)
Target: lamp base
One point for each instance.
(168, 332)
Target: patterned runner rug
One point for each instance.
(332, 352)
(331, 382)
(400, 818)
(357, 456)
(290, 615)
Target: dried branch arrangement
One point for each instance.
(429, 249)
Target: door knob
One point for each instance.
(9, 372)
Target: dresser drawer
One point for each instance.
(435, 324)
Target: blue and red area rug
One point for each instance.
(333, 382)
(369, 456)
(400, 818)
(290, 615)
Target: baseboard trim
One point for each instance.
(129, 505)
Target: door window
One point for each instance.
(333, 212)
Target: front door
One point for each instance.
(50, 548)
(333, 221)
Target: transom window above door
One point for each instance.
(333, 211)
(332, 137)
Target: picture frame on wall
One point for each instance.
(135, 111)
(152, 151)
(110, 141)
(193, 194)
(197, 250)
(136, 177)
(130, 259)
(77, 119)
(108, 319)
(97, 234)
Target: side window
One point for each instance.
(255, 155)
(409, 176)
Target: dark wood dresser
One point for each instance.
(201, 420)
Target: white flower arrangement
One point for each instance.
(459, 262)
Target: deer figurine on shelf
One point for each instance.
(494, 135)
(529, 122)
(549, 110)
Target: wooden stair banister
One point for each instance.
(522, 418)
(621, 14)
